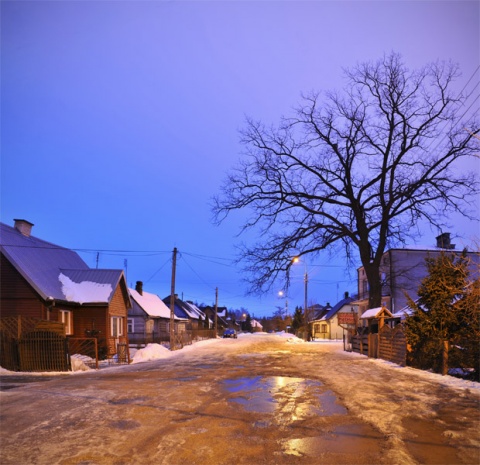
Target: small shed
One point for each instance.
(374, 318)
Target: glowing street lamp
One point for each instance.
(282, 294)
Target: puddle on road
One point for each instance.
(264, 395)
(354, 443)
(427, 442)
(128, 400)
(292, 399)
(125, 425)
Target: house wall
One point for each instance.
(402, 271)
(90, 318)
(118, 307)
(16, 296)
(161, 326)
(138, 315)
(321, 330)
(408, 269)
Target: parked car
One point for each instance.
(230, 333)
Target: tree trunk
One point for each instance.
(374, 285)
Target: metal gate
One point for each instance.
(43, 351)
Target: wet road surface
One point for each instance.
(267, 402)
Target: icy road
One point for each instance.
(258, 399)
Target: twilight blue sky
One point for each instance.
(119, 120)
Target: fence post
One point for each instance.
(445, 358)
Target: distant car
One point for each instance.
(230, 333)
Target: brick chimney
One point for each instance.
(139, 287)
(23, 226)
(443, 241)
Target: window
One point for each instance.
(66, 318)
(324, 328)
(116, 326)
(130, 325)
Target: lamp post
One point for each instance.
(282, 294)
(305, 279)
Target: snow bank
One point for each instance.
(79, 362)
(151, 352)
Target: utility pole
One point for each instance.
(172, 301)
(306, 311)
(216, 310)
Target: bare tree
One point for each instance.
(357, 170)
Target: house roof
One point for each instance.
(151, 304)
(334, 310)
(185, 309)
(56, 272)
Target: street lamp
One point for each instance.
(282, 294)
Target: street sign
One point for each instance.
(346, 318)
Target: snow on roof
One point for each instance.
(38, 261)
(151, 304)
(256, 324)
(84, 291)
(375, 312)
(193, 311)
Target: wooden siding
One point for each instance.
(118, 304)
(17, 297)
(86, 319)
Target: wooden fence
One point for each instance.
(389, 344)
(29, 344)
(182, 338)
(393, 345)
(87, 348)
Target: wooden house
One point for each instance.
(331, 325)
(222, 315)
(149, 318)
(189, 311)
(42, 280)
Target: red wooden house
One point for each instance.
(42, 280)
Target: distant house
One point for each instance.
(42, 280)
(317, 311)
(402, 271)
(149, 318)
(256, 326)
(222, 315)
(189, 311)
(331, 325)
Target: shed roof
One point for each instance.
(375, 313)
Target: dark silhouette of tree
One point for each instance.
(248, 324)
(355, 171)
(298, 321)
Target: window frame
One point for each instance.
(116, 326)
(130, 325)
(66, 317)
